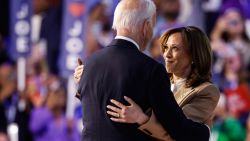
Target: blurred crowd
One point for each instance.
(39, 110)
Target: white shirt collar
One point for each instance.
(176, 85)
(128, 39)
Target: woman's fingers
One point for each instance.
(77, 76)
(114, 114)
(122, 113)
(121, 120)
(118, 104)
(129, 100)
(78, 71)
(115, 109)
(79, 68)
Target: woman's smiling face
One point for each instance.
(177, 57)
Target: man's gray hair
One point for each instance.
(131, 17)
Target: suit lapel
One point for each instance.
(182, 94)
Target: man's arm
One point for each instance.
(169, 114)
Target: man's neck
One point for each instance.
(130, 35)
(128, 39)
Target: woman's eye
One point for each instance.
(175, 48)
(165, 48)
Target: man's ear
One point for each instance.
(146, 25)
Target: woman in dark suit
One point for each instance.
(188, 59)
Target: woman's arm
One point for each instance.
(153, 128)
(134, 114)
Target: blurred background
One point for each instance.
(40, 41)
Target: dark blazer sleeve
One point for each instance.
(78, 91)
(168, 113)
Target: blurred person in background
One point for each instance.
(190, 78)
(99, 33)
(228, 34)
(177, 13)
(155, 50)
(14, 109)
(192, 8)
(37, 77)
(46, 31)
(51, 33)
(226, 127)
(45, 34)
(248, 129)
(7, 89)
(234, 86)
(48, 121)
(231, 48)
(4, 57)
(169, 11)
(3, 137)
(231, 71)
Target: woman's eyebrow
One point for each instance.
(170, 45)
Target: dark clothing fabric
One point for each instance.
(10, 113)
(51, 32)
(4, 57)
(5, 17)
(122, 70)
(22, 119)
(3, 120)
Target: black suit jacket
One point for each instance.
(122, 70)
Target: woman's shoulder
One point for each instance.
(207, 88)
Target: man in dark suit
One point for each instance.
(121, 69)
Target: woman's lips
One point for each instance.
(169, 61)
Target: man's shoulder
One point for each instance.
(149, 59)
(96, 55)
(114, 49)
